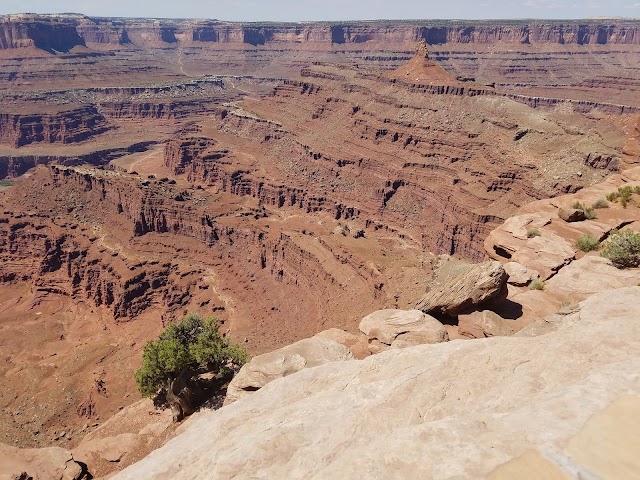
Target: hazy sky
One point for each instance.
(298, 10)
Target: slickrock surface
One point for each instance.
(422, 409)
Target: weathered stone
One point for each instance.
(339, 336)
(111, 449)
(387, 325)
(265, 368)
(546, 254)
(519, 275)
(484, 324)
(460, 287)
(591, 274)
(571, 215)
(38, 463)
(422, 409)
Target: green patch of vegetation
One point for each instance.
(623, 194)
(623, 249)
(536, 284)
(533, 232)
(602, 203)
(587, 243)
(5, 183)
(185, 350)
(589, 213)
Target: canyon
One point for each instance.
(284, 178)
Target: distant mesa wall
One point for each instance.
(74, 125)
(61, 33)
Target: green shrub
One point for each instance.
(623, 249)
(612, 197)
(587, 243)
(637, 189)
(536, 284)
(184, 350)
(625, 191)
(588, 212)
(602, 203)
(533, 232)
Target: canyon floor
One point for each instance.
(284, 181)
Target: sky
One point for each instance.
(307, 10)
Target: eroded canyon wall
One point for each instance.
(62, 33)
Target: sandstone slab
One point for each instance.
(459, 287)
(38, 463)
(406, 326)
(591, 274)
(484, 324)
(265, 368)
(519, 275)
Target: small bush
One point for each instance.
(612, 197)
(533, 232)
(637, 189)
(602, 203)
(625, 191)
(587, 243)
(623, 249)
(536, 284)
(590, 213)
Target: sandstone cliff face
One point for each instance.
(70, 126)
(12, 166)
(62, 33)
(201, 244)
(395, 161)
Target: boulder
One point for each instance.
(572, 215)
(265, 368)
(484, 324)
(518, 274)
(111, 449)
(408, 327)
(416, 412)
(339, 336)
(358, 344)
(51, 463)
(459, 287)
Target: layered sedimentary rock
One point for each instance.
(398, 150)
(61, 33)
(69, 126)
(550, 59)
